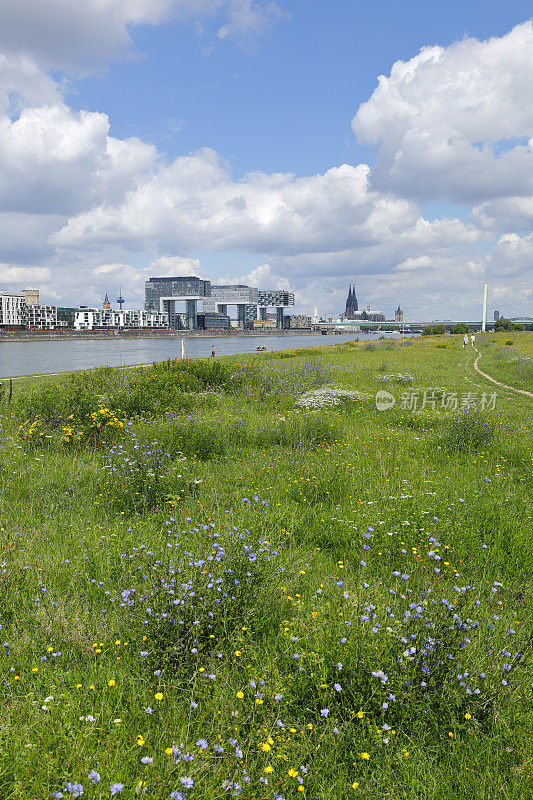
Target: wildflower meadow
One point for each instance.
(239, 577)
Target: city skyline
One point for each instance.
(274, 144)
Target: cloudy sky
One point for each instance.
(277, 142)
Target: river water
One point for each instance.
(39, 358)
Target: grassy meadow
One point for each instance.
(237, 578)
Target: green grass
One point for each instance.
(224, 530)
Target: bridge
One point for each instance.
(362, 326)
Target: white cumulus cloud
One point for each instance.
(455, 122)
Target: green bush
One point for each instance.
(139, 476)
(504, 324)
(467, 431)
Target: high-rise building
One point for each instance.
(496, 316)
(162, 294)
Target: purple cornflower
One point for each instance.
(116, 788)
(94, 776)
(76, 789)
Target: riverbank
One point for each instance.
(240, 573)
(44, 336)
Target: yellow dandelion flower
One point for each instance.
(268, 770)
(240, 695)
(360, 714)
(468, 716)
(292, 773)
(158, 696)
(111, 682)
(265, 747)
(365, 756)
(355, 784)
(140, 740)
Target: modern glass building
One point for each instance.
(162, 294)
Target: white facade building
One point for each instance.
(41, 317)
(12, 308)
(87, 319)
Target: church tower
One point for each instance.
(351, 303)
(106, 305)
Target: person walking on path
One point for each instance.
(473, 340)
(213, 350)
(465, 341)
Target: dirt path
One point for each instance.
(503, 385)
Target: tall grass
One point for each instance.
(234, 595)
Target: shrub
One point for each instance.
(6, 392)
(310, 374)
(504, 324)
(186, 618)
(467, 431)
(139, 476)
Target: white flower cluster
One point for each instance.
(328, 397)
(397, 377)
(522, 358)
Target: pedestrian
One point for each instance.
(472, 340)
(465, 341)
(213, 350)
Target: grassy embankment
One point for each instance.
(209, 590)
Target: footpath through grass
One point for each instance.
(238, 578)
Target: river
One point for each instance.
(41, 358)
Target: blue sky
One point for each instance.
(285, 104)
(406, 190)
